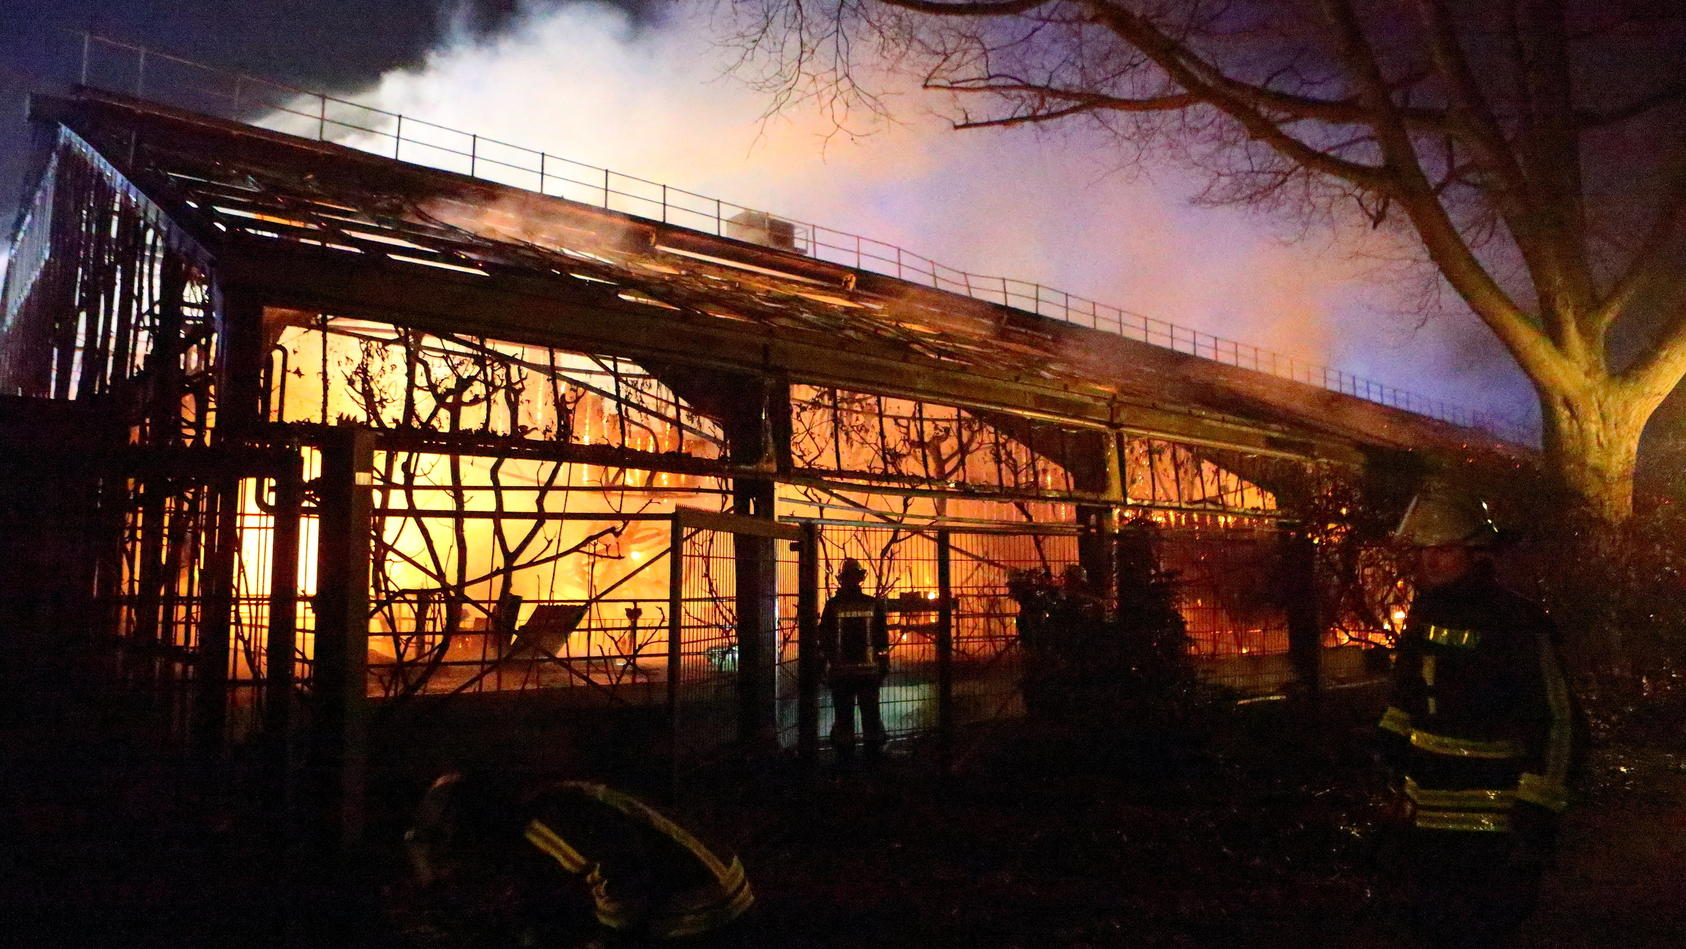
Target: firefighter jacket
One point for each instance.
(1481, 716)
(648, 876)
(854, 636)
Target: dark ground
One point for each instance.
(1259, 838)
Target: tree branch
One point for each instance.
(1663, 365)
(1649, 264)
(975, 8)
(1191, 73)
(1440, 236)
(1668, 95)
(1513, 196)
(1470, 112)
(1081, 101)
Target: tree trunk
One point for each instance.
(1591, 441)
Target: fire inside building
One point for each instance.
(330, 442)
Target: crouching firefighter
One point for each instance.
(1480, 734)
(573, 863)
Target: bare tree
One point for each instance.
(1536, 149)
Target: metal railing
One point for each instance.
(126, 68)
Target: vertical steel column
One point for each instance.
(210, 673)
(283, 601)
(163, 429)
(675, 642)
(808, 645)
(945, 651)
(758, 435)
(1096, 546)
(240, 361)
(755, 559)
(279, 791)
(342, 628)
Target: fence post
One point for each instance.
(945, 652)
(807, 645)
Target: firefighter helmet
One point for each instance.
(1439, 516)
(851, 569)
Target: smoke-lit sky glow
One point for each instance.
(583, 81)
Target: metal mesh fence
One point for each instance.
(1228, 586)
(906, 569)
(703, 652)
(195, 584)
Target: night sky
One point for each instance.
(313, 43)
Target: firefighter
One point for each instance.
(855, 643)
(573, 864)
(1479, 735)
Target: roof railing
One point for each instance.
(172, 80)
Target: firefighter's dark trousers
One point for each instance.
(1462, 889)
(847, 691)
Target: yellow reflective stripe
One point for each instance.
(1464, 747)
(1465, 799)
(699, 911)
(1435, 819)
(695, 912)
(632, 807)
(1396, 720)
(1459, 638)
(541, 836)
(718, 910)
(613, 913)
(1537, 789)
(1560, 733)
(1428, 668)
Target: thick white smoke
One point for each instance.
(581, 80)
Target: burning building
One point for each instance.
(359, 434)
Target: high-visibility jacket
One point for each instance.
(1481, 716)
(647, 875)
(854, 636)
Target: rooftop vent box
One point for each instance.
(759, 227)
